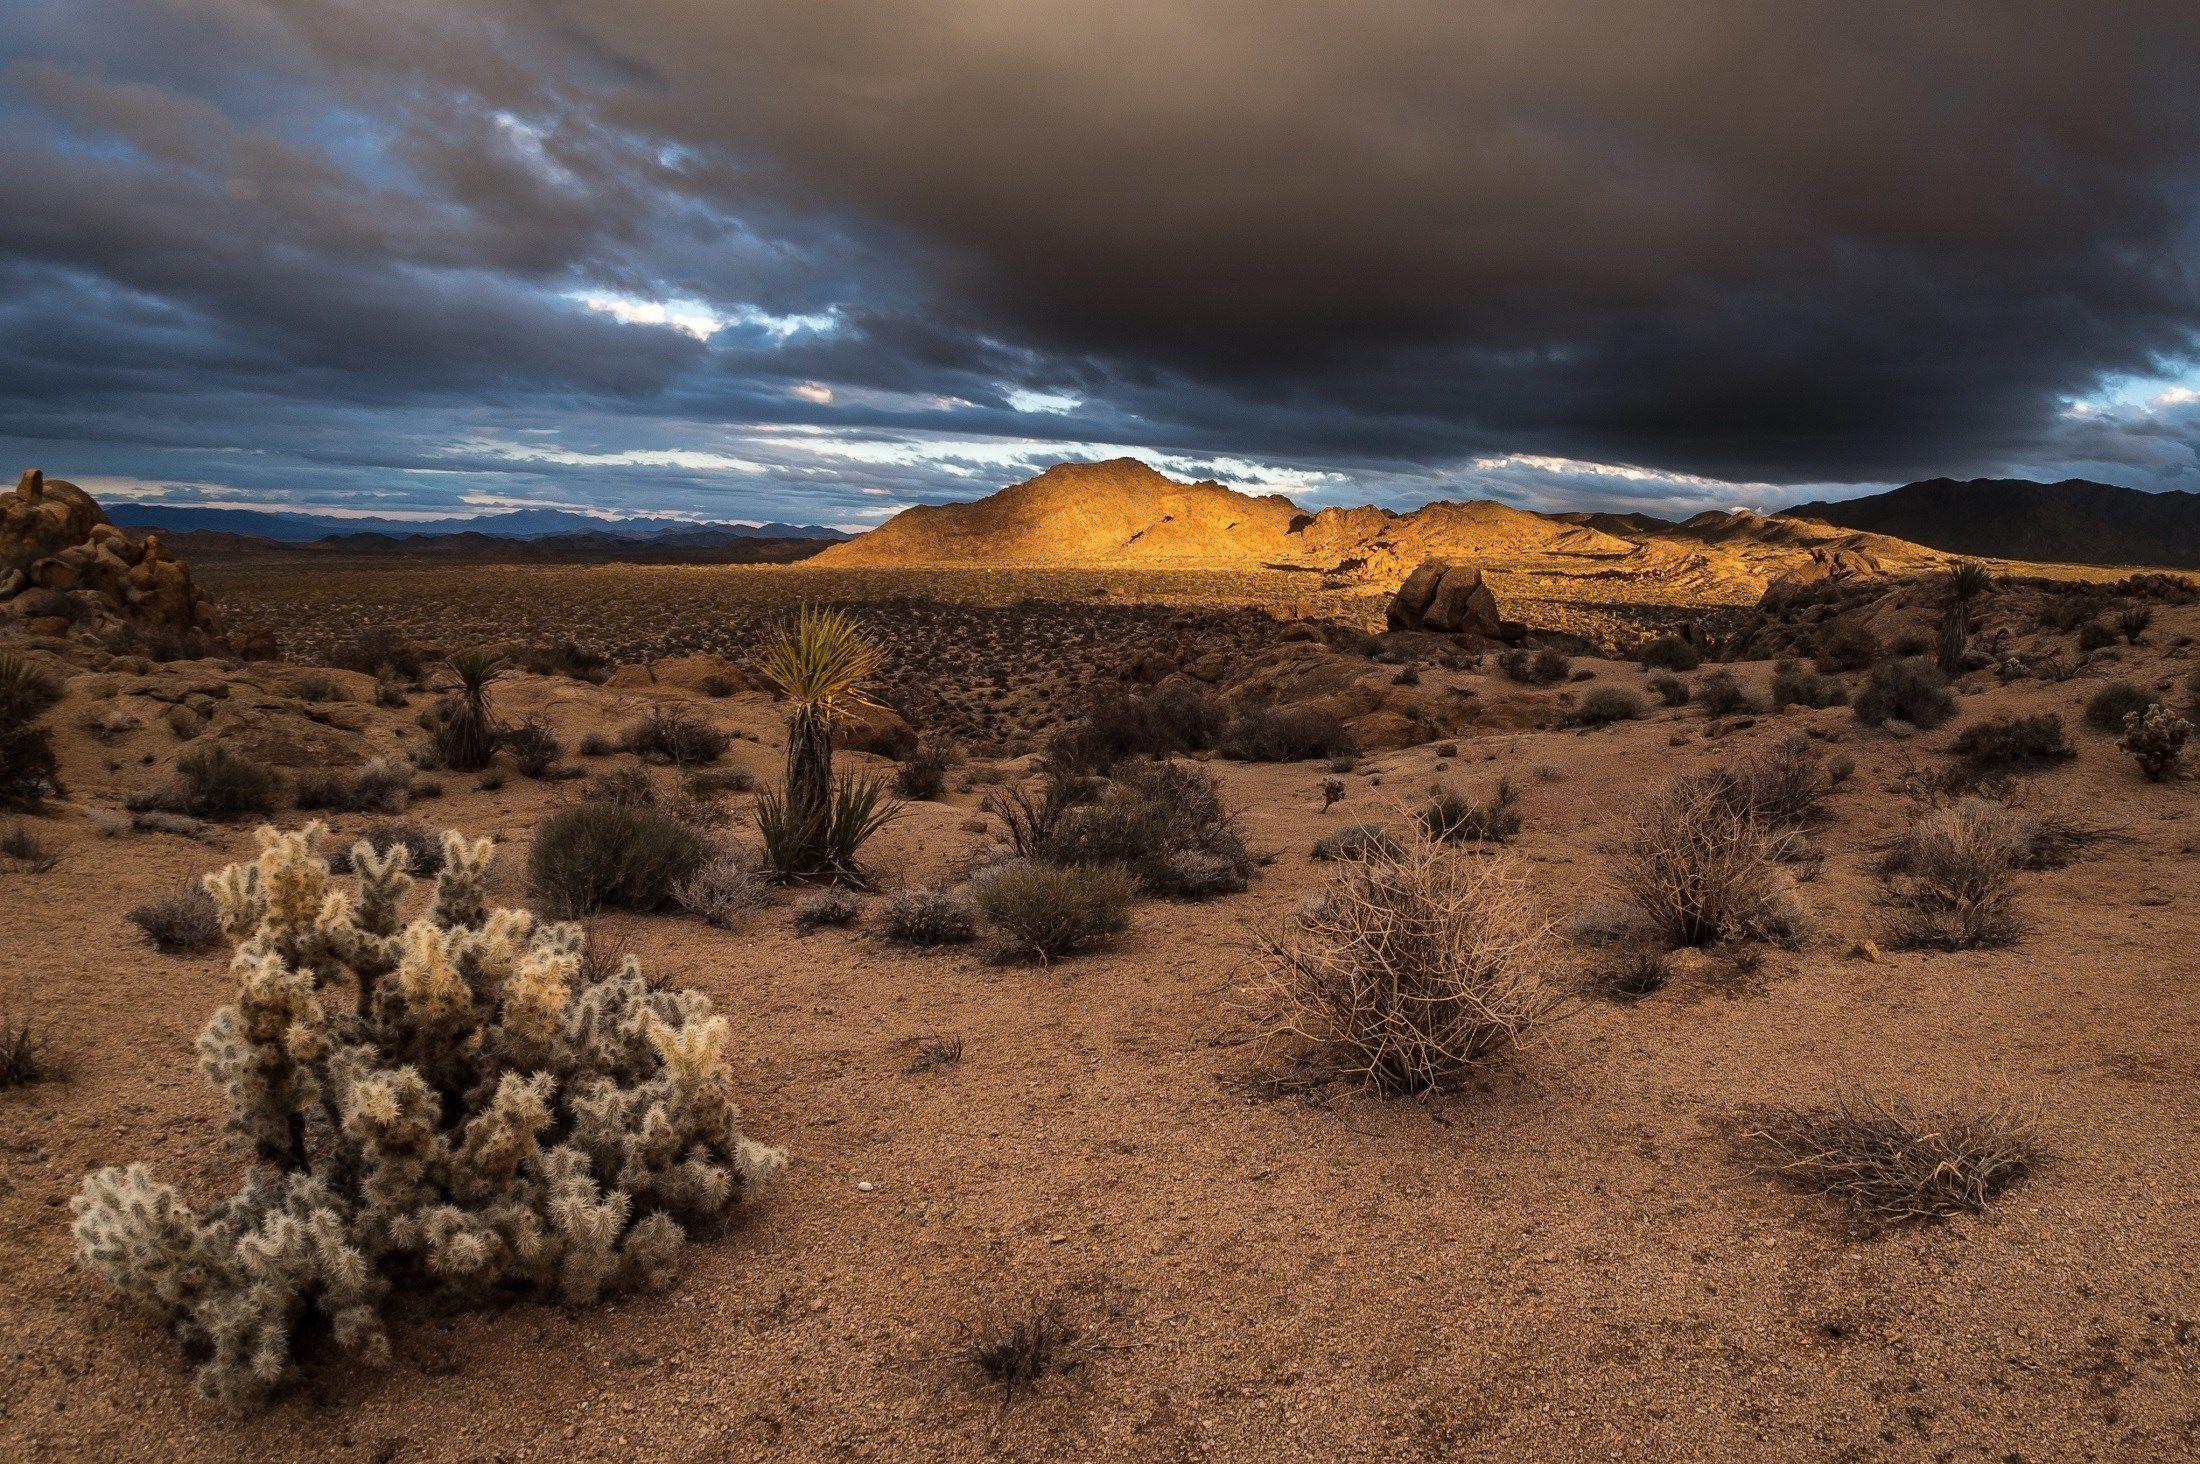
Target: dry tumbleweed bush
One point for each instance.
(1702, 866)
(1890, 1165)
(1414, 965)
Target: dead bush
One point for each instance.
(1453, 818)
(1889, 1165)
(182, 924)
(928, 918)
(1411, 968)
(1955, 874)
(1703, 868)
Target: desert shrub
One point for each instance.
(619, 855)
(925, 917)
(823, 842)
(533, 747)
(1781, 787)
(2095, 635)
(832, 906)
(595, 744)
(463, 728)
(1799, 686)
(380, 652)
(478, 1119)
(1049, 911)
(1413, 966)
(1911, 690)
(1538, 668)
(670, 733)
(1719, 694)
(2115, 703)
(723, 891)
(1670, 690)
(375, 786)
(923, 770)
(1670, 653)
(568, 658)
(1332, 790)
(629, 787)
(28, 771)
(1356, 841)
(213, 782)
(2013, 742)
(319, 686)
(717, 782)
(1846, 645)
(1030, 815)
(1954, 872)
(1702, 868)
(182, 924)
(1166, 823)
(26, 1054)
(1606, 705)
(1165, 722)
(2067, 612)
(1450, 817)
(21, 846)
(1889, 1165)
(1286, 734)
(423, 846)
(2132, 622)
(2156, 739)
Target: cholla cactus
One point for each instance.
(477, 1118)
(2156, 738)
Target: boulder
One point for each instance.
(1445, 597)
(54, 539)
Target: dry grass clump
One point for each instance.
(1411, 968)
(1164, 722)
(1702, 867)
(2109, 708)
(924, 768)
(723, 891)
(1911, 690)
(1049, 911)
(1539, 668)
(1451, 817)
(534, 748)
(669, 733)
(1955, 872)
(1783, 787)
(213, 782)
(928, 918)
(1795, 685)
(182, 924)
(1013, 1350)
(1720, 694)
(1889, 1165)
(1031, 816)
(1670, 689)
(2013, 742)
(934, 1054)
(21, 846)
(829, 908)
(423, 846)
(1356, 841)
(375, 786)
(1606, 705)
(26, 1054)
(1670, 653)
(1286, 734)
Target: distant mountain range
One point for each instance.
(2071, 522)
(518, 523)
(1121, 514)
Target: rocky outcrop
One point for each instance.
(1445, 597)
(63, 567)
(1821, 566)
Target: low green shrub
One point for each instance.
(1048, 911)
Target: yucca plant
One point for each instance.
(819, 663)
(466, 738)
(1967, 579)
(804, 843)
(27, 767)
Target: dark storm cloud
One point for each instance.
(1394, 248)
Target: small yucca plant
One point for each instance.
(467, 737)
(1967, 580)
(819, 662)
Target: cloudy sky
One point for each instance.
(821, 259)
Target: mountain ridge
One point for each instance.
(519, 524)
(2072, 521)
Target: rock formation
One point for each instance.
(1442, 596)
(63, 566)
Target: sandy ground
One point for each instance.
(1569, 1262)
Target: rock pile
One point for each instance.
(1449, 598)
(64, 567)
